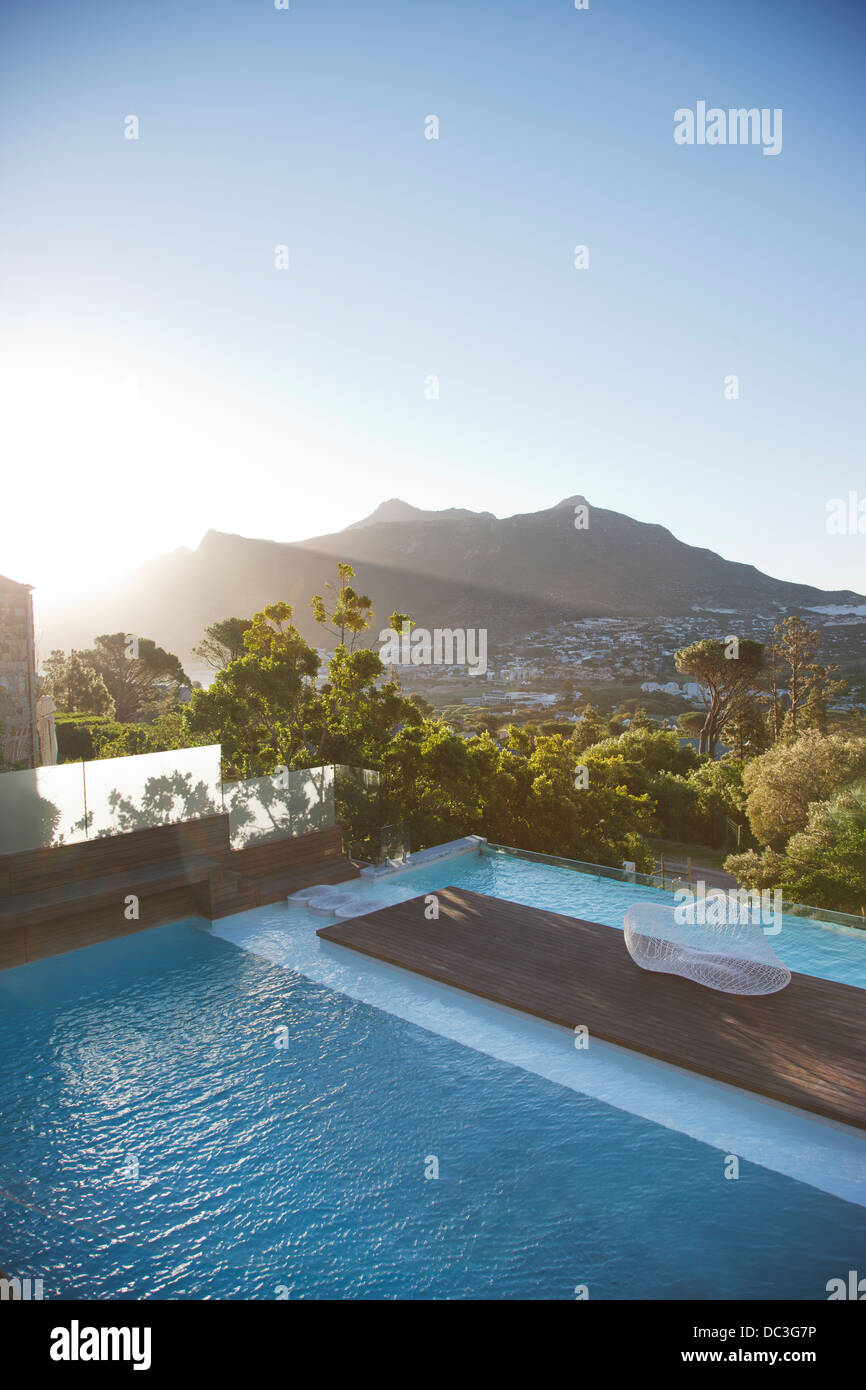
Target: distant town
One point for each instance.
(619, 664)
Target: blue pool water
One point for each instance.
(265, 1172)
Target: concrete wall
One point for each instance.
(17, 674)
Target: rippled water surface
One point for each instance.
(156, 1143)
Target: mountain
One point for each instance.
(395, 510)
(451, 568)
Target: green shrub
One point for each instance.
(76, 733)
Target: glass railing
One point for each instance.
(46, 806)
(293, 802)
(357, 809)
(668, 883)
(148, 789)
(42, 806)
(394, 842)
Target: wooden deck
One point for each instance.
(805, 1046)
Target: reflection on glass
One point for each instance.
(41, 806)
(112, 796)
(357, 808)
(270, 808)
(134, 793)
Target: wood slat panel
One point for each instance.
(13, 950)
(102, 924)
(286, 855)
(805, 1046)
(39, 869)
(271, 890)
(73, 895)
(52, 904)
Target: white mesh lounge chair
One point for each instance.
(733, 956)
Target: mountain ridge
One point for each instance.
(452, 567)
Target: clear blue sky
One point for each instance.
(161, 377)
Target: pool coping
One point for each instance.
(450, 849)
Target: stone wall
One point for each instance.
(17, 674)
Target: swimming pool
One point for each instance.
(159, 1140)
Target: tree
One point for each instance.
(649, 750)
(726, 672)
(756, 868)
(423, 706)
(353, 717)
(223, 642)
(691, 722)
(824, 864)
(121, 740)
(75, 685)
(266, 710)
(797, 647)
(773, 678)
(783, 783)
(650, 763)
(489, 723)
(141, 677)
(589, 729)
(746, 728)
(809, 684)
(255, 706)
(523, 792)
(720, 793)
(350, 612)
(641, 720)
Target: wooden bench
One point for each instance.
(168, 867)
(189, 845)
(59, 899)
